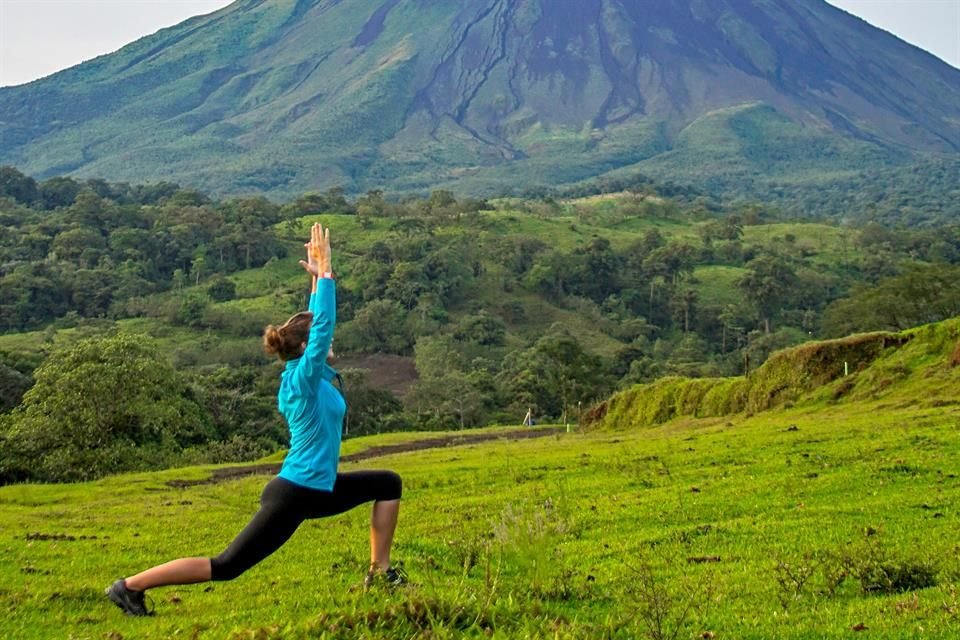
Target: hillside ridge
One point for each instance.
(864, 367)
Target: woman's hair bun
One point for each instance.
(272, 340)
(286, 341)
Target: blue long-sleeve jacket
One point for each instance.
(313, 407)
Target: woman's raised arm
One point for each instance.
(323, 305)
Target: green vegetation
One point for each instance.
(728, 477)
(105, 405)
(817, 520)
(501, 306)
(894, 366)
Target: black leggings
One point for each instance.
(285, 505)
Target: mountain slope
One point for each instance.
(284, 96)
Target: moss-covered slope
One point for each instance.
(919, 366)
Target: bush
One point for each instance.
(897, 577)
(105, 405)
(239, 448)
(221, 289)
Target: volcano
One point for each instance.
(283, 96)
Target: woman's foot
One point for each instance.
(133, 603)
(392, 577)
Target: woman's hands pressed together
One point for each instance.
(318, 252)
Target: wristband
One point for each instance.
(328, 275)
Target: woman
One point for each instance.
(308, 485)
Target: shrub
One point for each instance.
(105, 405)
(221, 289)
(897, 577)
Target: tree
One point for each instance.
(18, 186)
(105, 405)
(81, 246)
(435, 356)
(13, 385)
(688, 357)
(90, 210)
(671, 262)
(683, 304)
(179, 279)
(197, 268)
(483, 329)
(380, 326)
(552, 375)
(91, 291)
(733, 323)
(31, 295)
(454, 396)
(922, 294)
(596, 270)
(369, 409)
(445, 386)
(128, 243)
(767, 283)
(189, 310)
(240, 402)
(406, 283)
(371, 205)
(548, 275)
(59, 192)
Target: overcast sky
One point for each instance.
(39, 37)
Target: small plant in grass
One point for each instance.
(836, 568)
(792, 577)
(874, 569)
(489, 557)
(897, 577)
(877, 572)
(467, 552)
(955, 356)
(951, 602)
(664, 611)
(529, 538)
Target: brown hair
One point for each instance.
(285, 341)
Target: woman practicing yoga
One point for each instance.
(308, 485)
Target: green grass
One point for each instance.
(717, 285)
(825, 244)
(538, 539)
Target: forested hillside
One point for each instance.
(548, 304)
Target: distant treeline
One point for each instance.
(919, 194)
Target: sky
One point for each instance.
(39, 37)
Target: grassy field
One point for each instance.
(834, 516)
(812, 522)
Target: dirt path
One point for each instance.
(232, 473)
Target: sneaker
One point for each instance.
(133, 603)
(392, 577)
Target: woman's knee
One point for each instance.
(392, 488)
(226, 567)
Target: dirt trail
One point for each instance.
(232, 473)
